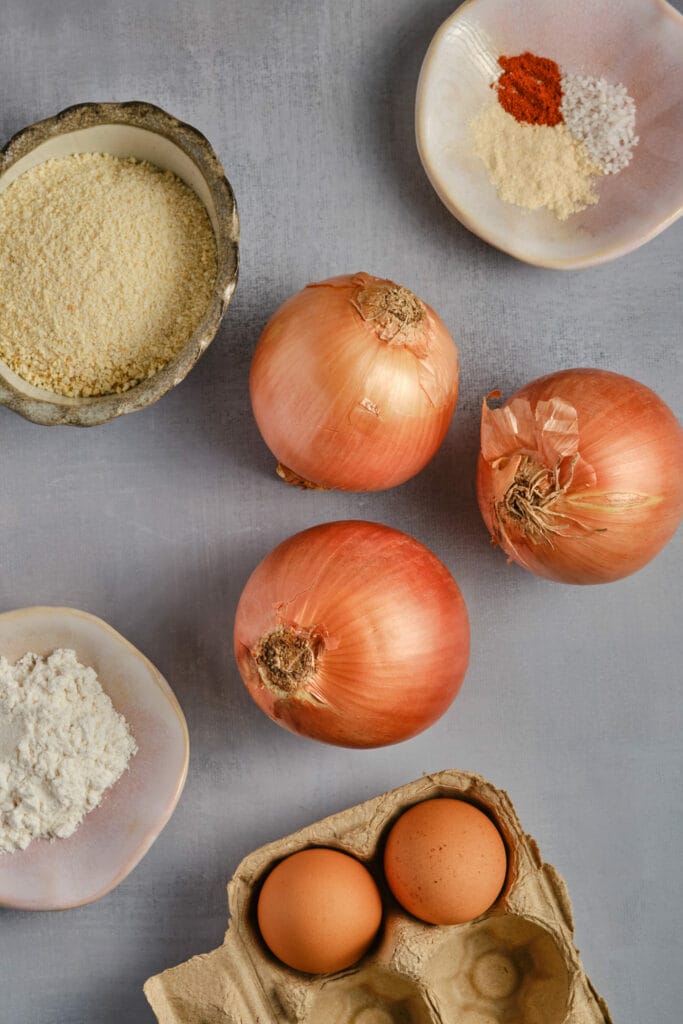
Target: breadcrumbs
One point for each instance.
(107, 266)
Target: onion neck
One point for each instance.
(399, 318)
(286, 660)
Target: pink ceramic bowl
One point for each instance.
(114, 837)
(638, 43)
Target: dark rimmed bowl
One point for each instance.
(145, 132)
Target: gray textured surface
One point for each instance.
(153, 522)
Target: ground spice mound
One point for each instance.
(534, 166)
(530, 89)
(106, 268)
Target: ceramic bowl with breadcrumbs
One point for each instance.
(119, 260)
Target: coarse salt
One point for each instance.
(601, 116)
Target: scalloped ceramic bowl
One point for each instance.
(638, 43)
(145, 132)
(115, 836)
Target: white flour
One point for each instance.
(62, 745)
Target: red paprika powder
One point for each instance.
(530, 89)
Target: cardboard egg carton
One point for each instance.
(516, 964)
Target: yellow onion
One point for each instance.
(580, 475)
(353, 384)
(352, 633)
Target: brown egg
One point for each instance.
(445, 861)
(319, 910)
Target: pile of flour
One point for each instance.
(62, 745)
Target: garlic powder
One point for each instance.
(534, 166)
(62, 744)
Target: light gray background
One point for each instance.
(572, 702)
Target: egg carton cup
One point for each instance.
(515, 963)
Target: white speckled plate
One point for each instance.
(638, 43)
(114, 837)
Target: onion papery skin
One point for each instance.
(385, 618)
(620, 466)
(349, 395)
